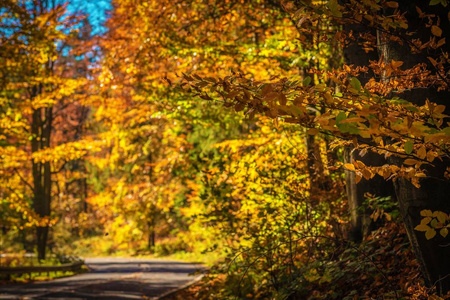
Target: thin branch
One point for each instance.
(23, 180)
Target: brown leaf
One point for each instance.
(391, 4)
(313, 131)
(440, 42)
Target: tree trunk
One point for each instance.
(361, 223)
(434, 254)
(151, 234)
(42, 182)
(317, 178)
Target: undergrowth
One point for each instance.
(381, 267)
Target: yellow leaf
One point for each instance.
(422, 152)
(360, 164)
(429, 234)
(328, 98)
(422, 227)
(425, 220)
(350, 167)
(441, 216)
(436, 30)
(430, 156)
(443, 232)
(410, 161)
(426, 213)
(439, 109)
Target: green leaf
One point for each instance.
(412, 108)
(334, 8)
(434, 223)
(435, 2)
(446, 130)
(307, 81)
(399, 101)
(355, 83)
(340, 117)
(409, 146)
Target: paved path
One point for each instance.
(111, 278)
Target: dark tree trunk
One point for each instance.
(360, 215)
(434, 254)
(151, 235)
(85, 194)
(152, 215)
(42, 182)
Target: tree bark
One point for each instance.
(151, 234)
(317, 178)
(42, 182)
(361, 223)
(433, 255)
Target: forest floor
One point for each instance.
(112, 278)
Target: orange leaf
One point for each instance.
(367, 174)
(396, 64)
(433, 61)
(350, 167)
(436, 30)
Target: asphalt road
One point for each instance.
(111, 278)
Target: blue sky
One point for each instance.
(96, 9)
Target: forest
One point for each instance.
(298, 148)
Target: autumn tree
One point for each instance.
(38, 89)
(138, 74)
